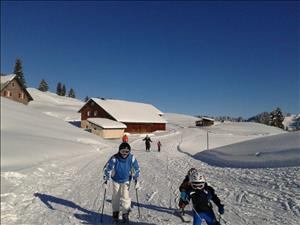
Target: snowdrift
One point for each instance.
(281, 150)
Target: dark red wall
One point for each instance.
(144, 127)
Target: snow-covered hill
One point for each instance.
(57, 106)
(51, 171)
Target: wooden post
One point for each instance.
(207, 141)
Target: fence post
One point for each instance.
(207, 141)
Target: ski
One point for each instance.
(180, 213)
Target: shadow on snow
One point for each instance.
(90, 217)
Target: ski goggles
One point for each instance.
(198, 185)
(124, 151)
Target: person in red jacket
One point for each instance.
(125, 138)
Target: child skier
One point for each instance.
(158, 146)
(121, 167)
(194, 188)
(185, 185)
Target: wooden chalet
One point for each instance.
(137, 117)
(205, 121)
(12, 88)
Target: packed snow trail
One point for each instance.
(69, 190)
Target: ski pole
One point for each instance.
(220, 218)
(105, 183)
(137, 200)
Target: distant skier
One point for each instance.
(158, 146)
(121, 167)
(195, 189)
(125, 138)
(147, 143)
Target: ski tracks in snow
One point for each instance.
(246, 193)
(69, 191)
(53, 191)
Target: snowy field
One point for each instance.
(51, 170)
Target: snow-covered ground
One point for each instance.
(57, 106)
(291, 122)
(51, 171)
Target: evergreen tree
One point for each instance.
(58, 88)
(86, 98)
(63, 91)
(276, 118)
(43, 86)
(264, 118)
(71, 93)
(18, 70)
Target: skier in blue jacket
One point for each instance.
(121, 168)
(195, 189)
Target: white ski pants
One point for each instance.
(120, 197)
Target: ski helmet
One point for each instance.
(191, 171)
(197, 180)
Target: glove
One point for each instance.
(105, 178)
(181, 204)
(221, 209)
(104, 185)
(137, 185)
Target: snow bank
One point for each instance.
(282, 150)
(29, 137)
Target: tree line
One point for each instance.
(60, 89)
(43, 86)
(274, 118)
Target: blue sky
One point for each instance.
(197, 58)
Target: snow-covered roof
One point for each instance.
(7, 78)
(130, 112)
(107, 123)
(206, 118)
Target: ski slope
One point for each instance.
(51, 171)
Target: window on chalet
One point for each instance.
(21, 95)
(88, 113)
(7, 93)
(12, 84)
(95, 113)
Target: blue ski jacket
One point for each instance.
(121, 170)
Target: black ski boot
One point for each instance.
(115, 217)
(125, 218)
